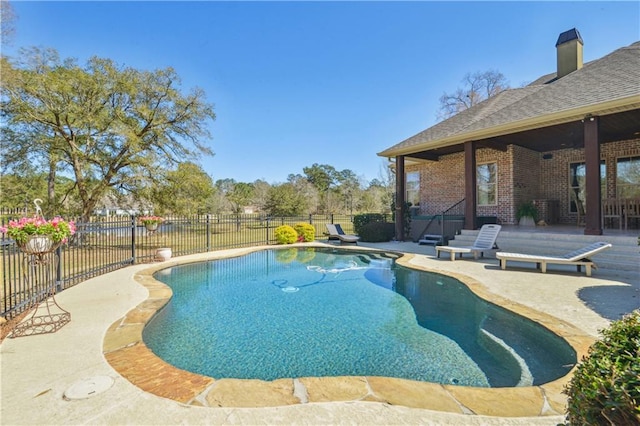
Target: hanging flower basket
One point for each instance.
(39, 244)
(38, 236)
(150, 222)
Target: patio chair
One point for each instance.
(579, 258)
(631, 210)
(612, 208)
(336, 232)
(485, 241)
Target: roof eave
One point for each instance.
(560, 117)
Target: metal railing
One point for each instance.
(452, 220)
(447, 224)
(105, 244)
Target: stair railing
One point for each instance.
(454, 208)
(442, 218)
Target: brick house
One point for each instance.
(565, 142)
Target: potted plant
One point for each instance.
(35, 235)
(150, 222)
(527, 214)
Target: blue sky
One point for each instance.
(296, 83)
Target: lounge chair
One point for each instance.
(581, 257)
(485, 241)
(336, 232)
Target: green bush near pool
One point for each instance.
(285, 234)
(605, 389)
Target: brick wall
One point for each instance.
(523, 176)
(554, 173)
(526, 180)
(441, 183)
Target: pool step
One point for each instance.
(377, 257)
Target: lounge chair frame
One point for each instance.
(485, 241)
(335, 231)
(579, 258)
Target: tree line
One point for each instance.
(188, 189)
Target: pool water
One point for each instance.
(308, 312)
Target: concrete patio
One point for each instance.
(65, 378)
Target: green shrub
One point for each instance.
(527, 210)
(406, 217)
(285, 234)
(360, 220)
(377, 232)
(306, 232)
(605, 389)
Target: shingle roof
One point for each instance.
(609, 84)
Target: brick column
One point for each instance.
(593, 215)
(470, 185)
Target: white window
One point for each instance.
(413, 188)
(487, 184)
(628, 177)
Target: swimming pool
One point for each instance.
(330, 312)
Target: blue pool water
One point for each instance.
(329, 312)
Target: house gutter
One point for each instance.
(618, 105)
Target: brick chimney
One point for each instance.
(569, 51)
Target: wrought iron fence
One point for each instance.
(105, 244)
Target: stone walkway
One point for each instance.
(96, 370)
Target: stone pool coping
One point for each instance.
(125, 351)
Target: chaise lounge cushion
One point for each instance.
(335, 231)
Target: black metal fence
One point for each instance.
(106, 244)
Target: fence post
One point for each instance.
(310, 219)
(208, 231)
(268, 221)
(332, 218)
(59, 269)
(133, 240)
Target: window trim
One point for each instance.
(495, 184)
(616, 175)
(417, 190)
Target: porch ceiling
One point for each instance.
(613, 127)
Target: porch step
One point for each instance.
(623, 255)
(431, 239)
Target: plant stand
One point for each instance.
(47, 316)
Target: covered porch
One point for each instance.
(564, 168)
(571, 137)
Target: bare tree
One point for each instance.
(477, 87)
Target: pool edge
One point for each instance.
(125, 351)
